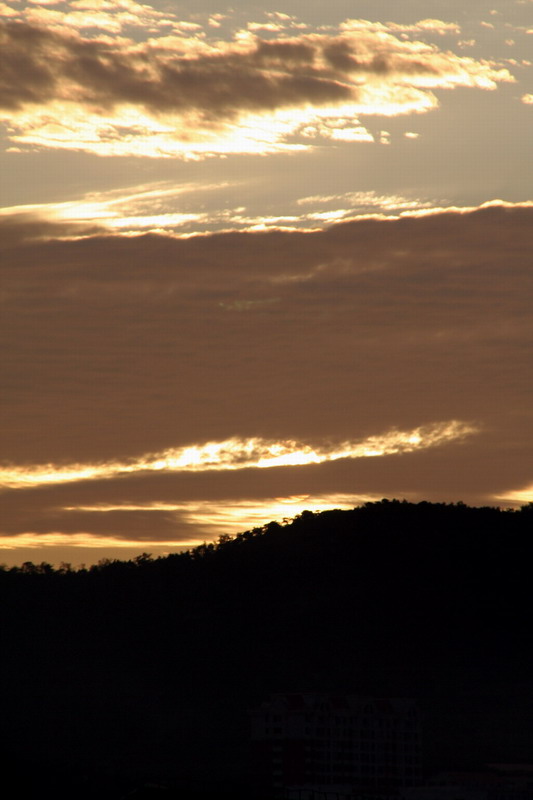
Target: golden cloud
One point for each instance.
(238, 454)
(516, 496)
(234, 515)
(192, 98)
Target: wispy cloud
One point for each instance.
(181, 208)
(436, 26)
(53, 541)
(233, 515)
(363, 201)
(197, 522)
(516, 496)
(236, 454)
(145, 206)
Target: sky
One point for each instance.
(258, 259)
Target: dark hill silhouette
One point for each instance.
(145, 670)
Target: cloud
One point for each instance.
(437, 26)
(362, 200)
(53, 541)
(234, 515)
(165, 206)
(111, 95)
(337, 129)
(151, 205)
(237, 454)
(517, 497)
(188, 524)
(162, 367)
(7, 11)
(218, 85)
(101, 15)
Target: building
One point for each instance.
(312, 744)
(495, 782)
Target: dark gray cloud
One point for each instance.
(344, 57)
(38, 65)
(114, 347)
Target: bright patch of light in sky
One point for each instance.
(245, 95)
(45, 541)
(517, 497)
(211, 518)
(236, 454)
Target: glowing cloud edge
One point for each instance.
(239, 453)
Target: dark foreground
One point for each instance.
(143, 674)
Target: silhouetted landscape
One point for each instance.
(145, 672)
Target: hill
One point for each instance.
(147, 669)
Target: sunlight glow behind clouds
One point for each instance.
(188, 96)
(235, 454)
(78, 540)
(158, 207)
(233, 512)
(518, 496)
(207, 517)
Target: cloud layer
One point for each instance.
(278, 347)
(190, 96)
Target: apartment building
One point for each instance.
(311, 744)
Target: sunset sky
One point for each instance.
(257, 259)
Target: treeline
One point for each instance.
(379, 515)
(148, 667)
